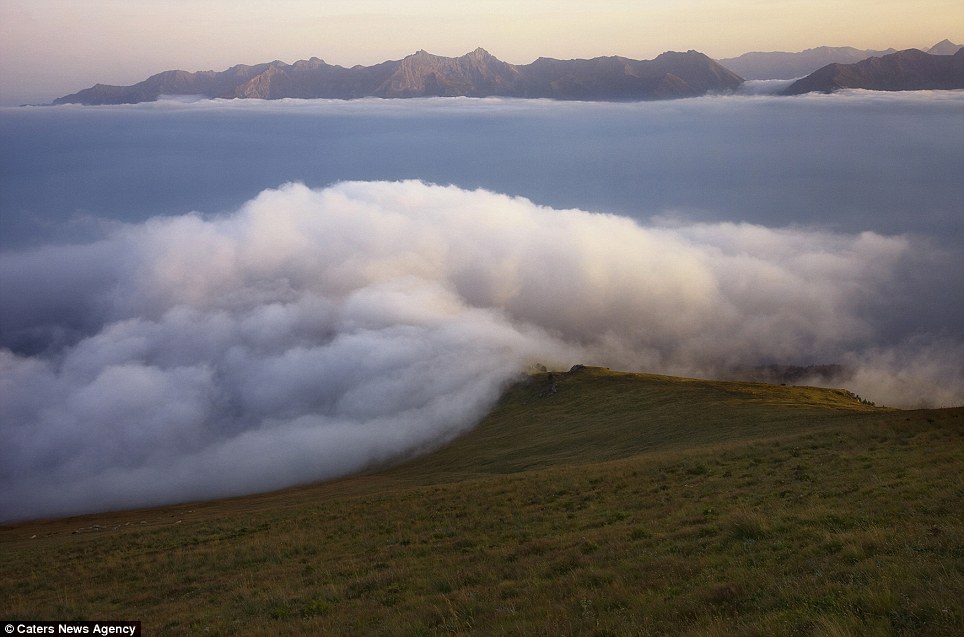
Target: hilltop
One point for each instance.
(476, 74)
(587, 502)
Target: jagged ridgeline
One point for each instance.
(476, 74)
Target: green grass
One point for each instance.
(619, 504)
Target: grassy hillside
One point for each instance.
(587, 503)
(592, 414)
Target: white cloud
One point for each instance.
(313, 332)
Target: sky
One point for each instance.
(50, 48)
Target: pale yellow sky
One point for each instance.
(53, 47)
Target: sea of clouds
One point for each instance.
(313, 330)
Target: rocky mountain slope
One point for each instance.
(476, 74)
(910, 70)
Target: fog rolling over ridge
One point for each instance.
(314, 332)
(313, 327)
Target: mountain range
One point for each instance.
(909, 70)
(613, 78)
(476, 74)
(784, 65)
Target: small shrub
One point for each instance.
(639, 533)
(279, 611)
(588, 547)
(697, 470)
(315, 608)
(745, 524)
(727, 595)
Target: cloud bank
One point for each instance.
(849, 162)
(312, 333)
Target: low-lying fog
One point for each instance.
(203, 299)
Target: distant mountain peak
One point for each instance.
(945, 47)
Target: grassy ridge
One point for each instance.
(590, 503)
(595, 414)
